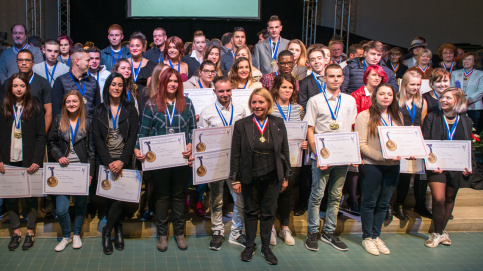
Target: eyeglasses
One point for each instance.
(209, 71)
(285, 63)
(24, 60)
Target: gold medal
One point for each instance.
(324, 152)
(17, 134)
(200, 147)
(106, 184)
(391, 145)
(52, 181)
(273, 63)
(334, 126)
(465, 78)
(150, 156)
(262, 139)
(85, 100)
(201, 171)
(432, 158)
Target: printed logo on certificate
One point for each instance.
(403, 141)
(211, 166)
(337, 149)
(450, 155)
(164, 151)
(296, 130)
(72, 179)
(125, 186)
(212, 139)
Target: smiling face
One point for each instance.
(447, 101)
(223, 92)
(384, 96)
(243, 70)
(285, 91)
(173, 52)
(448, 55)
(159, 37)
(18, 34)
(136, 47)
(259, 106)
(241, 53)
(208, 73)
(83, 62)
(442, 84)
(115, 89)
(172, 87)
(125, 69)
(317, 62)
(468, 62)
(72, 104)
(214, 55)
(18, 88)
(424, 60)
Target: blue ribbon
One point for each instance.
(337, 107)
(450, 70)
(171, 116)
(384, 122)
(17, 50)
(450, 133)
(97, 77)
(365, 66)
(82, 91)
(318, 84)
(244, 87)
(17, 118)
(47, 72)
(128, 95)
(172, 66)
(114, 119)
(412, 112)
(31, 78)
(223, 120)
(199, 82)
(281, 111)
(74, 132)
(274, 54)
(112, 54)
(135, 74)
(68, 60)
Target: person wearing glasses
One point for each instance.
(285, 63)
(205, 79)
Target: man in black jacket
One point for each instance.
(309, 86)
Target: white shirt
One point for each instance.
(209, 117)
(318, 113)
(193, 55)
(366, 91)
(16, 149)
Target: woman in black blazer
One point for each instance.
(259, 169)
(18, 112)
(70, 142)
(114, 130)
(450, 123)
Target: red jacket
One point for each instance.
(363, 102)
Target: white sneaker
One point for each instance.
(77, 242)
(273, 237)
(369, 245)
(381, 246)
(446, 241)
(63, 243)
(286, 236)
(434, 240)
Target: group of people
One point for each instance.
(92, 106)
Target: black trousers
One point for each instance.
(115, 208)
(170, 186)
(420, 188)
(285, 199)
(260, 198)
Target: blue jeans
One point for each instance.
(378, 184)
(334, 177)
(62, 210)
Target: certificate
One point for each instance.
(338, 149)
(211, 166)
(14, 183)
(296, 130)
(164, 151)
(114, 186)
(201, 97)
(72, 179)
(425, 86)
(35, 181)
(295, 152)
(212, 139)
(403, 141)
(452, 155)
(241, 97)
(412, 166)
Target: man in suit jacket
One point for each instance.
(266, 52)
(309, 86)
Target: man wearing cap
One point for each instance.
(416, 46)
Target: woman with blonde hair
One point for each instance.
(423, 59)
(244, 51)
(299, 52)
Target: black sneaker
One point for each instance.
(29, 242)
(14, 242)
(241, 240)
(216, 240)
(247, 253)
(332, 239)
(269, 256)
(311, 241)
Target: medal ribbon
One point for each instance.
(261, 127)
(17, 117)
(17, 50)
(423, 70)
(387, 133)
(82, 91)
(436, 94)
(52, 171)
(114, 119)
(365, 66)
(31, 78)
(148, 143)
(107, 173)
(201, 160)
(244, 87)
(172, 66)
(430, 147)
(112, 54)
(338, 62)
(135, 74)
(281, 111)
(223, 120)
(97, 77)
(161, 57)
(199, 82)
(323, 143)
(450, 133)
(394, 68)
(335, 113)
(73, 132)
(47, 72)
(128, 95)
(171, 116)
(468, 73)
(274, 52)
(450, 68)
(384, 122)
(412, 112)
(319, 85)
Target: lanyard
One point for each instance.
(450, 68)
(233, 53)
(394, 68)
(68, 60)
(47, 72)
(335, 60)
(423, 70)
(450, 133)
(468, 73)
(384, 122)
(161, 56)
(281, 111)
(17, 50)
(31, 78)
(436, 94)
(199, 82)
(335, 113)
(82, 91)
(412, 112)
(74, 132)
(17, 117)
(171, 116)
(171, 64)
(112, 54)
(97, 77)
(261, 127)
(135, 74)
(223, 120)
(318, 84)
(128, 95)
(114, 119)
(272, 51)
(245, 85)
(365, 65)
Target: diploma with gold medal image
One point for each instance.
(338, 149)
(211, 166)
(124, 186)
(451, 155)
(35, 181)
(164, 151)
(201, 98)
(212, 139)
(72, 179)
(14, 183)
(296, 134)
(403, 141)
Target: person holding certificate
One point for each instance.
(330, 111)
(259, 169)
(414, 109)
(378, 176)
(70, 142)
(169, 112)
(451, 123)
(23, 145)
(114, 132)
(223, 113)
(285, 97)
(440, 80)
(241, 75)
(207, 72)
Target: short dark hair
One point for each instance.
(93, 49)
(274, 18)
(226, 38)
(24, 28)
(332, 67)
(52, 42)
(35, 41)
(284, 53)
(27, 52)
(264, 33)
(354, 47)
(221, 79)
(238, 28)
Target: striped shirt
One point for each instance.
(296, 113)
